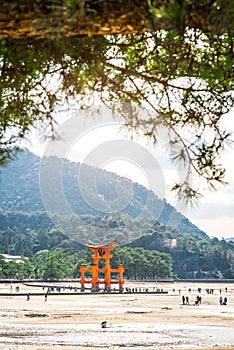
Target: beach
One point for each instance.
(134, 320)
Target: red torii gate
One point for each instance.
(102, 252)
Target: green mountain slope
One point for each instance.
(23, 181)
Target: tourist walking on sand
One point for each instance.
(183, 300)
(221, 301)
(187, 300)
(198, 300)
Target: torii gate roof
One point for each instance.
(111, 245)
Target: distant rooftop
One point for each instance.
(16, 258)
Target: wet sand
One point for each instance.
(134, 320)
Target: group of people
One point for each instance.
(223, 301)
(198, 300)
(185, 300)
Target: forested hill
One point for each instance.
(20, 191)
(26, 229)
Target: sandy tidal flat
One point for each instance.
(134, 320)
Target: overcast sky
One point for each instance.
(88, 141)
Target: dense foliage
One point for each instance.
(192, 256)
(25, 234)
(160, 252)
(58, 264)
